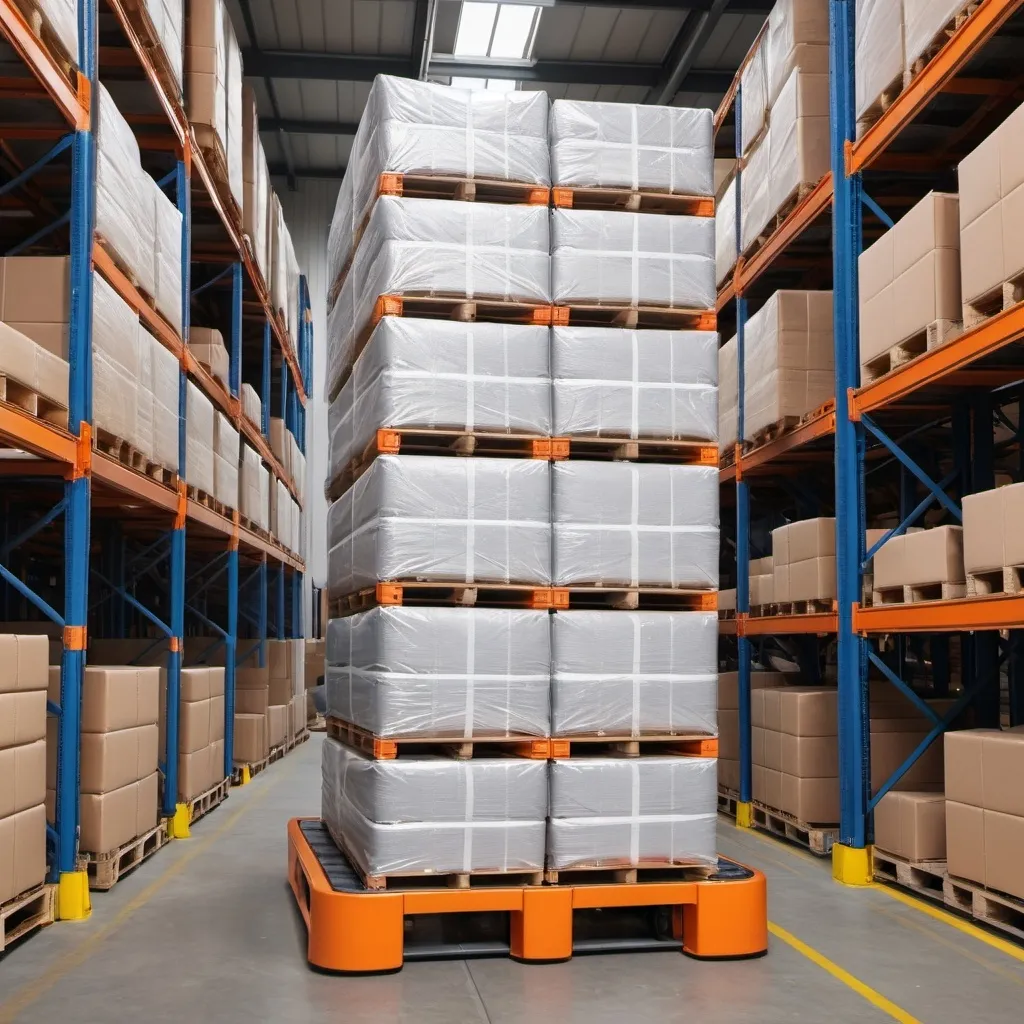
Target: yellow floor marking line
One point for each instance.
(934, 936)
(1004, 946)
(867, 993)
(34, 990)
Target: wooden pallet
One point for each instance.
(128, 455)
(106, 869)
(30, 401)
(624, 745)
(996, 909)
(816, 838)
(139, 19)
(922, 877)
(387, 748)
(253, 769)
(641, 598)
(128, 271)
(631, 200)
(213, 153)
(816, 606)
(596, 314)
(939, 41)
(463, 188)
(886, 98)
(200, 806)
(622, 873)
(772, 432)
(763, 611)
(26, 913)
(795, 198)
(1008, 580)
(435, 880)
(937, 333)
(642, 449)
(499, 595)
(41, 28)
(727, 802)
(916, 594)
(431, 441)
(993, 302)
(727, 613)
(207, 500)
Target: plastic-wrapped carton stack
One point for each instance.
(207, 345)
(23, 763)
(439, 673)
(629, 674)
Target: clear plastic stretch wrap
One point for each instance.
(280, 512)
(645, 259)
(754, 91)
(252, 407)
(199, 415)
(422, 128)
(166, 255)
(263, 481)
(646, 810)
(116, 390)
(613, 382)
(124, 207)
(441, 672)
(143, 437)
(340, 235)
(923, 20)
(62, 17)
(434, 814)
(166, 381)
(278, 283)
(168, 19)
(425, 247)
(443, 374)
(797, 37)
(728, 395)
(249, 486)
(618, 673)
(629, 145)
(726, 247)
(438, 518)
(879, 47)
(794, 152)
(635, 524)
(788, 358)
(256, 186)
(292, 293)
(225, 460)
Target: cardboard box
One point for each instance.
(201, 682)
(764, 709)
(890, 749)
(279, 664)
(207, 345)
(114, 759)
(808, 711)
(195, 726)
(729, 734)
(912, 825)
(24, 663)
(807, 538)
(992, 537)
(1004, 842)
(981, 254)
(35, 289)
(252, 701)
(984, 768)
(25, 361)
(810, 757)
(773, 750)
(22, 777)
(200, 771)
(119, 698)
(729, 774)
(112, 819)
(250, 738)
(761, 590)
(22, 718)
(315, 656)
(773, 789)
(757, 746)
(812, 801)
(812, 579)
(965, 841)
(22, 852)
(278, 716)
(758, 783)
(728, 686)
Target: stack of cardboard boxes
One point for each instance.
(928, 562)
(23, 769)
(729, 722)
(252, 700)
(804, 561)
(200, 731)
(992, 538)
(762, 582)
(314, 667)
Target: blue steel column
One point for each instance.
(296, 604)
(744, 815)
(265, 381)
(235, 368)
(230, 654)
(279, 615)
(262, 624)
(73, 886)
(851, 859)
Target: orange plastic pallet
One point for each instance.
(353, 930)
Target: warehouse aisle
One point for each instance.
(207, 931)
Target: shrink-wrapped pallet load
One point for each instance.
(199, 415)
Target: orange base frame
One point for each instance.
(363, 932)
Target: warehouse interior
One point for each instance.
(547, 468)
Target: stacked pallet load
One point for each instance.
(729, 728)
(252, 705)
(438, 345)
(23, 777)
(785, 123)
(634, 361)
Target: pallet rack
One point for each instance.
(960, 385)
(158, 555)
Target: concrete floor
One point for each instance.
(207, 931)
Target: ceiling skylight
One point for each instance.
(499, 30)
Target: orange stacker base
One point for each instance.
(355, 931)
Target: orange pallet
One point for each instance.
(632, 200)
(585, 314)
(494, 595)
(461, 309)
(638, 449)
(633, 746)
(641, 598)
(451, 186)
(354, 930)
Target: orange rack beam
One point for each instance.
(786, 625)
(21, 430)
(727, 627)
(352, 930)
(945, 363)
(943, 67)
(823, 424)
(1000, 611)
(253, 541)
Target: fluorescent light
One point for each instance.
(513, 33)
(476, 26)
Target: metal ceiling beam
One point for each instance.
(735, 7)
(294, 126)
(360, 68)
(686, 48)
(423, 34)
(324, 173)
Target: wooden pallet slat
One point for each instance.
(795, 198)
(30, 401)
(641, 449)
(200, 806)
(937, 333)
(624, 745)
(886, 98)
(633, 317)
(497, 595)
(727, 802)
(995, 909)
(631, 200)
(1007, 580)
(922, 877)
(599, 595)
(463, 188)
(25, 913)
(999, 299)
(622, 872)
(819, 839)
(106, 869)
(917, 593)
